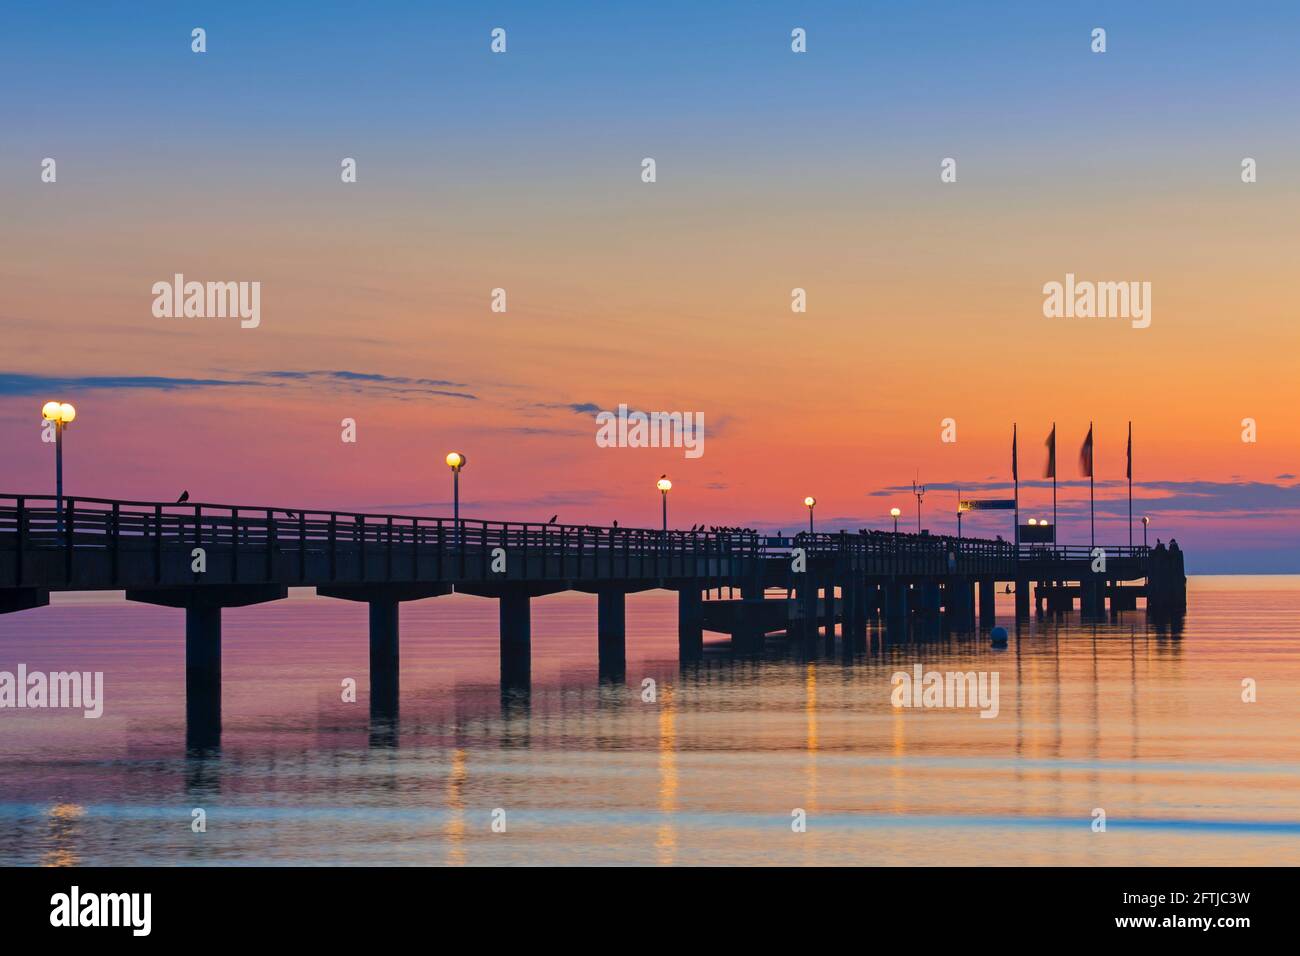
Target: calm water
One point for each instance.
(1149, 727)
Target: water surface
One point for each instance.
(1146, 724)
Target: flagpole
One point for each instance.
(1015, 477)
(1055, 533)
(1130, 484)
(1092, 470)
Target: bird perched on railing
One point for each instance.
(185, 496)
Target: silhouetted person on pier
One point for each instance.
(185, 496)
(1173, 546)
(615, 522)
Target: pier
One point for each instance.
(206, 557)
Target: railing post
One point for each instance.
(302, 546)
(459, 528)
(69, 531)
(234, 545)
(157, 544)
(388, 558)
(333, 545)
(20, 514)
(116, 541)
(359, 530)
(270, 544)
(21, 517)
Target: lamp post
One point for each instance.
(61, 415)
(664, 486)
(456, 461)
(1145, 521)
(919, 491)
(894, 513)
(811, 503)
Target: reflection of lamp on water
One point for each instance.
(810, 502)
(664, 486)
(60, 414)
(894, 513)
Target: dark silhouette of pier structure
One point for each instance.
(800, 587)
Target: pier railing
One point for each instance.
(264, 542)
(449, 548)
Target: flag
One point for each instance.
(1129, 473)
(1015, 472)
(1051, 455)
(1085, 455)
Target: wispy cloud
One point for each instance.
(14, 383)
(581, 408)
(396, 386)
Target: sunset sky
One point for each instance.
(775, 170)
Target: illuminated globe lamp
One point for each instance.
(456, 461)
(895, 513)
(810, 502)
(664, 486)
(61, 415)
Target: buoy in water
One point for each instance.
(999, 636)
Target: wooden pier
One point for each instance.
(206, 557)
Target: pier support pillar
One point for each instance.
(988, 603)
(1092, 601)
(611, 630)
(203, 647)
(808, 606)
(957, 603)
(848, 601)
(1022, 599)
(516, 638)
(22, 599)
(855, 612)
(203, 676)
(384, 643)
(828, 611)
(749, 628)
(690, 628)
(931, 599)
(383, 600)
(896, 597)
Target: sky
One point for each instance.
(775, 170)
